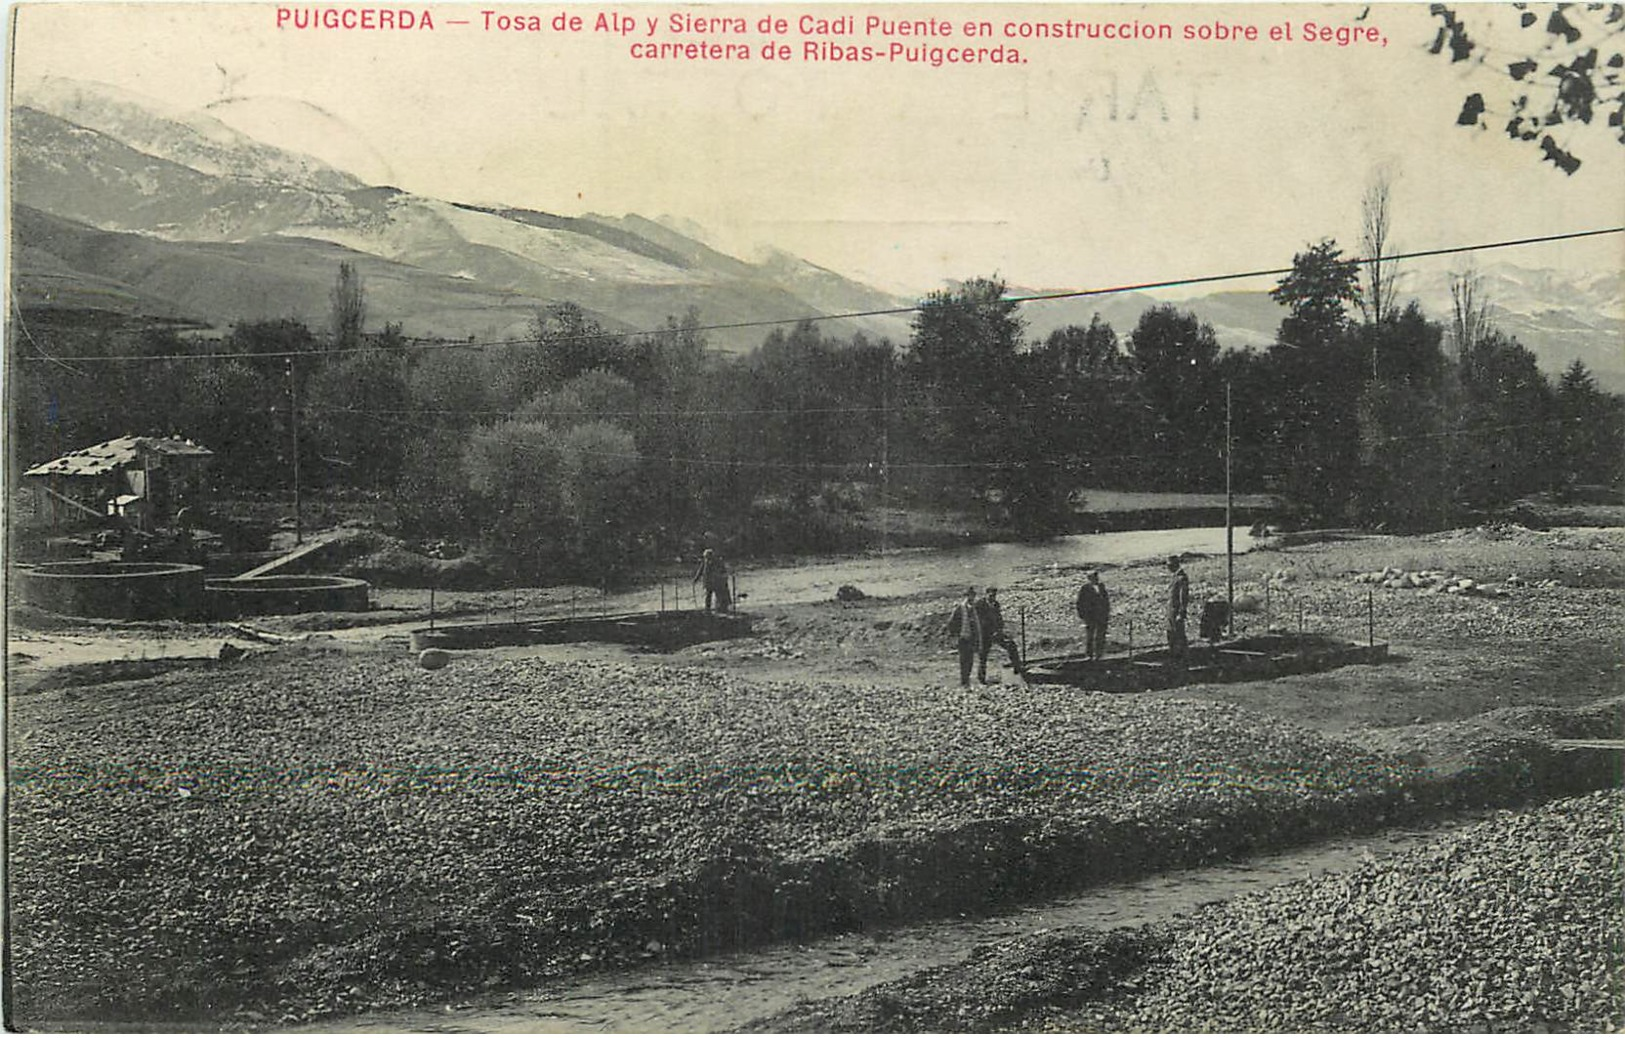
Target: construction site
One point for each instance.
(650, 784)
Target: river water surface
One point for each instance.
(919, 570)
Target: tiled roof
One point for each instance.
(115, 454)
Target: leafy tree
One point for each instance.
(1036, 470)
(1076, 351)
(348, 315)
(570, 343)
(266, 343)
(963, 335)
(1564, 79)
(1174, 357)
(1592, 430)
(355, 408)
(450, 388)
(513, 474)
(678, 390)
(599, 498)
(1410, 345)
(1406, 479)
(565, 342)
(799, 420)
(1316, 366)
(555, 499)
(1507, 427)
(1317, 295)
(229, 411)
(592, 396)
(963, 351)
(432, 496)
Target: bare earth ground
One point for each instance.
(323, 827)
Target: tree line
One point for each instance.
(581, 450)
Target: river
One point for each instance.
(933, 569)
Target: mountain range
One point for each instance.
(128, 209)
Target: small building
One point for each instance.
(143, 481)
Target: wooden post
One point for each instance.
(1131, 639)
(431, 607)
(293, 425)
(1021, 612)
(1370, 617)
(1229, 528)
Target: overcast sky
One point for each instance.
(1095, 163)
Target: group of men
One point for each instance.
(978, 623)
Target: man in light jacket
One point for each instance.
(966, 625)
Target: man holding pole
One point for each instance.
(1179, 600)
(714, 573)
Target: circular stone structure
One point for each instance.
(115, 590)
(261, 596)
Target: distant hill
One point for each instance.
(196, 140)
(225, 228)
(124, 206)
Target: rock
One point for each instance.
(849, 593)
(433, 659)
(229, 652)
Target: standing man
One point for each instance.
(1095, 610)
(714, 572)
(992, 617)
(1179, 600)
(966, 625)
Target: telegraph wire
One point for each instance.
(44, 354)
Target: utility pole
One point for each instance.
(885, 450)
(1229, 526)
(293, 426)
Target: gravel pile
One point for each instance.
(1430, 582)
(1515, 924)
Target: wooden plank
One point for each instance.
(282, 560)
(70, 501)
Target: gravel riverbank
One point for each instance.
(1514, 924)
